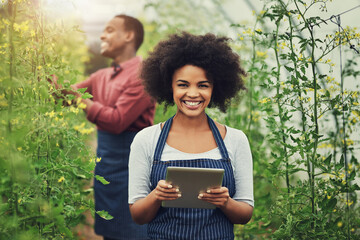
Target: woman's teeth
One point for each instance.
(191, 103)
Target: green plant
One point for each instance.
(316, 196)
(44, 161)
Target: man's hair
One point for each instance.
(133, 24)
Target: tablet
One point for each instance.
(191, 182)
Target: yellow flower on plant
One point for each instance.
(3, 103)
(86, 131)
(261, 54)
(339, 224)
(61, 179)
(78, 100)
(51, 114)
(39, 67)
(82, 106)
(301, 57)
(348, 142)
(74, 110)
(98, 159)
(265, 100)
(19, 149)
(78, 127)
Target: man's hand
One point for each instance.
(58, 86)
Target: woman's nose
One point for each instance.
(193, 92)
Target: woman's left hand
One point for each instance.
(217, 196)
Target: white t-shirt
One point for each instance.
(143, 149)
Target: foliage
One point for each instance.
(44, 160)
(309, 118)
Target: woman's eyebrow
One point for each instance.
(180, 80)
(184, 81)
(205, 81)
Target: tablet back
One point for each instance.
(191, 182)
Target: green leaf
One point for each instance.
(47, 228)
(352, 176)
(81, 90)
(86, 95)
(104, 214)
(327, 161)
(331, 204)
(290, 69)
(102, 180)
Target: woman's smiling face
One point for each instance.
(191, 90)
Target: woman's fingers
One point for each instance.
(216, 196)
(165, 191)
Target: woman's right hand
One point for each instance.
(165, 191)
(144, 210)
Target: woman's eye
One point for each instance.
(203, 86)
(182, 85)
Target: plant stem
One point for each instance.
(282, 125)
(12, 15)
(344, 150)
(315, 119)
(251, 80)
(311, 169)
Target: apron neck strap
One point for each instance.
(165, 132)
(218, 138)
(162, 139)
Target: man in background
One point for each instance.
(119, 108)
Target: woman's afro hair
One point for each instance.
(208, 52)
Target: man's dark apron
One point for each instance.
(191, 223)
(114, 151)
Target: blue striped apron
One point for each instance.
(114, 151)
(188, 223)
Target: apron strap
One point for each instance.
(165, 132)
(162, 139)
(218, 139)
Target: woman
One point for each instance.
(194, 72)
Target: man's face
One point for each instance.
(114, 38)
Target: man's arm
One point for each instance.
(129, 106)
(84, 84)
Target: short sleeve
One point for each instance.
(241, 158)
(140, 162)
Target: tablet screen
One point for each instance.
(191, 182)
